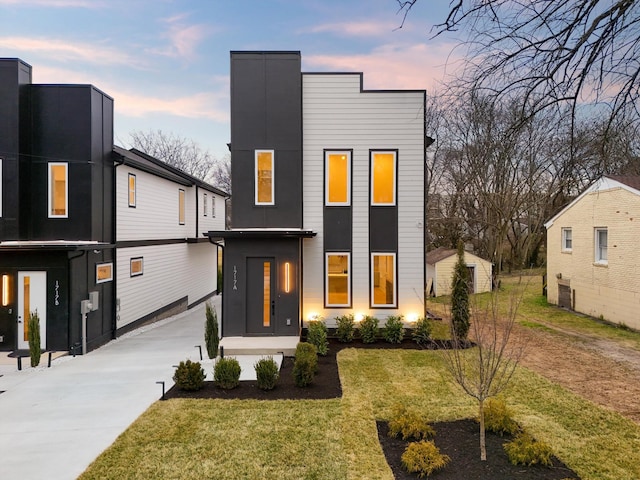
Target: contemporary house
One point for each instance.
(95, 238)
(592, 260)
(441, 265)
(328, 210)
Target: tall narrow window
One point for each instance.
(204, 204)
(338, 280)
(0, 188)
(383, 280)
(383, 178)
(601, 245)
(264, 177)
(58, 190)
(266, 307)
(213, 206)
(132, 190)
(181, 206)
(337, 178)
(567, 243)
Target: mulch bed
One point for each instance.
(458, 439)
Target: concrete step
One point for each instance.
(259, 345)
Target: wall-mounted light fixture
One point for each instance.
(5, 290)
(287, 277)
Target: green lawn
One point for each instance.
(337, 439)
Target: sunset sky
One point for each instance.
(166, 62)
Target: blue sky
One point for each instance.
(166, 62)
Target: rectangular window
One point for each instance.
(383, 280)
(264, 177)
(338, 279)
(213, 206)
(566, 240)
(104, 272)
(204, 204)
(383, 178)
(136, 266)
(181, 206)
(337, 178)
(601, 245)
(132, 190)
(58, 190)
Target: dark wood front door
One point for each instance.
(261, 303)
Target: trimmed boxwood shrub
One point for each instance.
(189, 376)
(422, 331)
(424, 458)
(226, 373)
(345, 328)
(317, 335)
(369, 329)
(267, 373)
(393, 331)
(305, 364)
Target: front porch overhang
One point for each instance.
(259, 233)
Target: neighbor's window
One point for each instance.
(213, 206)
(567, 242)
(204, 204)
(136, 266)
(132, 190)
(181, 206)
(264, 177)
(337, 178)
(601, 245)
(383, 178)
(104, 272)
(58, 190)
(338, 280)
(383, 279)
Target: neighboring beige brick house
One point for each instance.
(441, 264)
(593, 266)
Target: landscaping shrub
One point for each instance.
(498, 418)
(369, 329)
(35, 349)
(423, 458)
(409, 424)
(422, 331)
(189, 376)
(267, 373)
(305, 364)
(317, 335)
(345, 327)
(393, 331)
(226, 373)
(525, 450)
(211, 337)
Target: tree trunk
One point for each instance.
(483, 443)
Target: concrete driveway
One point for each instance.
(55, 421)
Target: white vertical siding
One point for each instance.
(337, 115)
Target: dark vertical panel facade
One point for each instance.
(266, 113)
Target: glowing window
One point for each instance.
(383, 178)
(264, 177)
(104, 272)
(0, 188)
(266, 307)
(181, 206)
(58, 190)
(383, 279)
(337, 178)
(338, 280)
(132, 190)
(136, 266)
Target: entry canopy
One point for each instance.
(252, 233)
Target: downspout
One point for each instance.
(197, 211)
(72, 347)
(115, 310)
(221, 246)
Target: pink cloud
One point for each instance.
(355, 29)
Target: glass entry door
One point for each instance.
(32, 297)
(260, 295)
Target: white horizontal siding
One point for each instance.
(337, 115)
(170, 272)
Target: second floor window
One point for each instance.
(383, 178)
(58, 190)
(204, 204)
(264, 178)
(567, 243)
(213, 206)
(132, 190)
(337, 178)
(181, 206)
(601, 245)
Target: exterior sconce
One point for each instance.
(287, 277)
(5, 290)
(412, 317)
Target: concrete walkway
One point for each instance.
(55, 421)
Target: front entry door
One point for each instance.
(32, 297)
(261, 303)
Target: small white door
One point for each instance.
(32, 296)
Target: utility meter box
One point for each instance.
(94, 299)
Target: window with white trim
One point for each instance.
(136, 266)
(132, 190)
(337, 279)
(58, 190)
(337, 180)
(104, 272)
(181, 206)
(383, 280)
(383, 178)
(264, 177)
(213, 206)
(204, 204)
(601, 243)
(567, 240)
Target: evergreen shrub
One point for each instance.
(211, 331)
(393, 331)
(525, 450)
(423, 458)
(317, 335)
(189, 376)
(369, 329)
(226, 373)
(345, 328)
(305, 364)
(409, 424)
(267, 373)
(422, 331)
